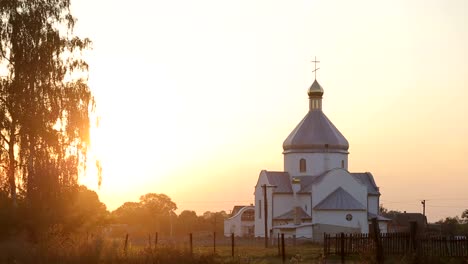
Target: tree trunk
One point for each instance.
(12, 165)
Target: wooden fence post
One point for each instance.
(232, 244)
(191, 245)
(283, 253)
(126, 245)
(279, 245)
(214, 242)
(377, 240)
(325, 244)
(342, 248)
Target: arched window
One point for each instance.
(342, 164)
(302, 165)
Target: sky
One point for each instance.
(195, 98)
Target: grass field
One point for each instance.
(110, 251)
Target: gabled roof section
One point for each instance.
(339, 199)
(308, 181)
(289, 215)
(367, 179)
(281, 180)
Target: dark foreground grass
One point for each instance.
(61, 250)
(71, 250)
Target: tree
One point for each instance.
(213, 221)
(157, 204)
(187, 222)
(44, 101)
(388, 213)
(464, 216)
(128, 213)
(154, 212)
(157, 209)
(450, 225)
(85, 211)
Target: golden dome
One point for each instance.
(315, 89)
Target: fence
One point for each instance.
(395, 244)
(200, 243)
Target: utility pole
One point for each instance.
(423, 202)
(265, 203)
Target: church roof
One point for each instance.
(339, 200)
(308, 181)
(315, 133)
(367, 179)
(289, 215)
(281, 180)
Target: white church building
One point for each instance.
(316, 193)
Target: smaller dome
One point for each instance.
(315, 89)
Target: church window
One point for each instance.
(259, 209)
(342, 164)
(302, 165)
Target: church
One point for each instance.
(315, 194)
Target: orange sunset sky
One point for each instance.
(196, 97)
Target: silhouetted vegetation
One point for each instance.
(155, 213)
(44, 120)
(453, 226)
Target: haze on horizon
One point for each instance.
(195, 98)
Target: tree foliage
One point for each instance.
(44, 98)
(85, 212)
(152, 213)
(44, 105)
(155, 213)
(388, 213)
(464, 216)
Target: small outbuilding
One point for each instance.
(241, 221)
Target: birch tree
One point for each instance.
(45, 101)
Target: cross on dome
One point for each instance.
(315, 61)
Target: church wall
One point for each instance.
(316, 163)
(320, 229)
(338, 218)
(373, 204)
(333, 180)
(282, 203)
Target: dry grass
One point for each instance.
(70, 250)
